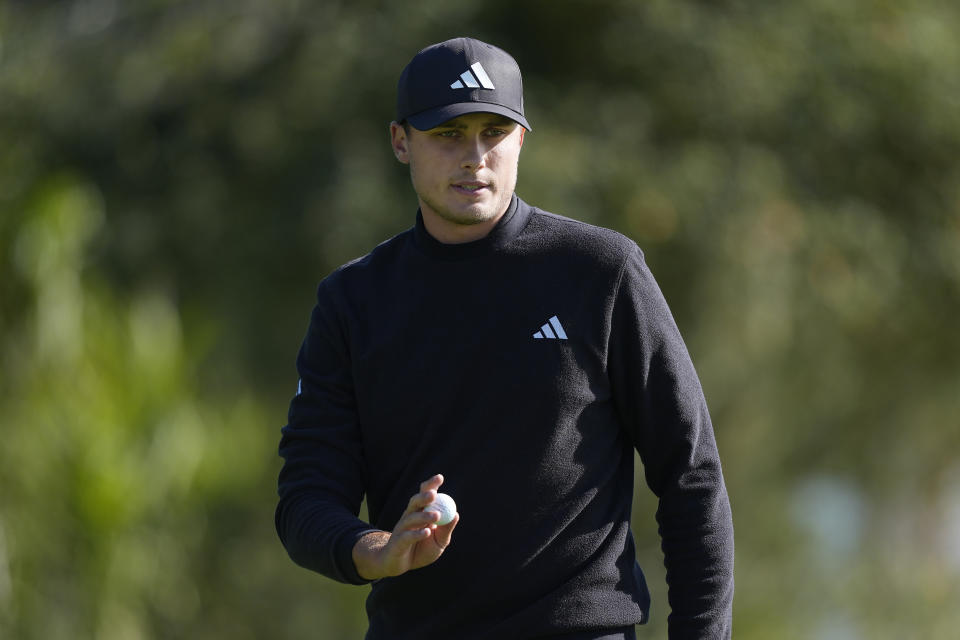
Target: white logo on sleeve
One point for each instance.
(551, 330)
(475, 80)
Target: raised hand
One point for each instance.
(416, 540)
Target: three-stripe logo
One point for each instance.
(476, 80)
(551, 330)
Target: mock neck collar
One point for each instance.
(507, 228)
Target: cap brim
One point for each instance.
(434, 117)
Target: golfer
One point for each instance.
(514, 359)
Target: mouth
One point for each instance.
(470, 187)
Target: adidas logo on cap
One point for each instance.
(475, 80)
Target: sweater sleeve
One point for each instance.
(321, 481)
(661, 403)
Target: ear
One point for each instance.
(398, 140)
(523, 132)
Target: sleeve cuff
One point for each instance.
(343, 556)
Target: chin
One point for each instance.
(466, 220)
(474, 214)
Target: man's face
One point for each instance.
(464, 172)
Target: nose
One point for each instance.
(474, 153)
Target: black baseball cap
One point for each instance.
(459, 76)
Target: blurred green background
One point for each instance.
(176, 177)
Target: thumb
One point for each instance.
(442, 534)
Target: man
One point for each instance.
(523, 356)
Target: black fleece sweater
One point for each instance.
(525, 367)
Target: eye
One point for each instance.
(493, 133)
(448, 133)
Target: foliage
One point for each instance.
(175, 177)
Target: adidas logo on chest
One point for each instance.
(551, 330)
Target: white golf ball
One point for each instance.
(445, 506)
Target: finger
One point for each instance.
(428, 492)
(432, 483)
(420, 500)
(417, 520)
(443, 534)
(397, 554)
(405, 539)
